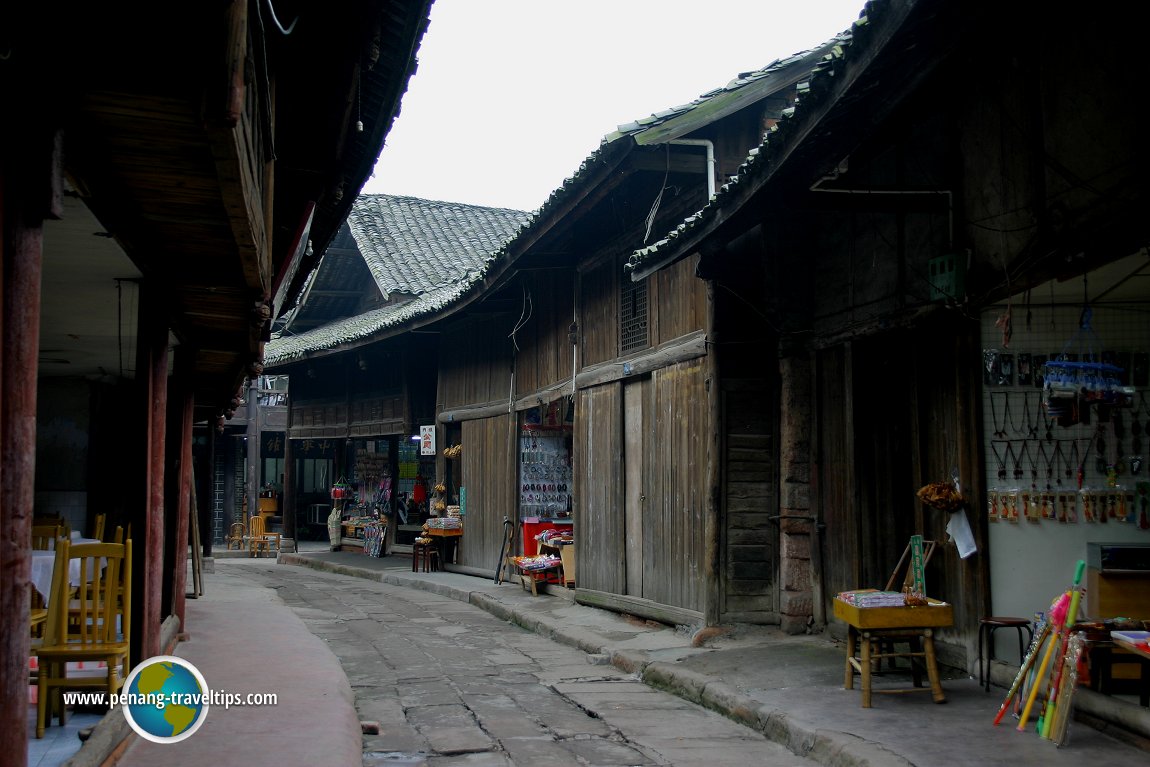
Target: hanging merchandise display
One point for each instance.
(1081, 376)
(545, 478)
(1071, 451)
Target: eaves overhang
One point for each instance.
(830, 91)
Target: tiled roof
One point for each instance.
(435, 251)
(371, 230)
(705, 101)
(758, 161)
(636, 128)
(290, 348)
(414, 246)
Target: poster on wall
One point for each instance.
(427, 440)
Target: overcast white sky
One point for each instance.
(512, 95)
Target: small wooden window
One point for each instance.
(633, 317)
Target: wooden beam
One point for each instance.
(679, 350)
(643, 608)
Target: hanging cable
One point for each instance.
(658, 198)
(285, 32)
(524, 315)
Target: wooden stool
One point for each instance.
(987, 627)
(921, 650)
(425, 557)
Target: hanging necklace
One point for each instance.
(1017, 459)
(1072, 461)
(1058, 458)
(1032, 460)
(999, 429)
(1001, 460)
(1007, 416)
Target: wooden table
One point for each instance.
(447, 540)
(1142, 655)
(886, 627)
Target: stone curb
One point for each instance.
(826, 747)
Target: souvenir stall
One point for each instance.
(1066, 413)
(545, 501)
(411, 493)
(359, 520)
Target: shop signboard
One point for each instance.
(427, 440)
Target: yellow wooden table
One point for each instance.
(884, 628)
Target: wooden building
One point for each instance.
(949, 159)
(360, 390)
(585, 401)
(164, 194)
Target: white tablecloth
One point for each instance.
(42, 564)
(44, 561)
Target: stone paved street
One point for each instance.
(450, 684)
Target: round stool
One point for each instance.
(986, 629)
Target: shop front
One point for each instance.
(545, 488)
(1066, 413)
(380, 500)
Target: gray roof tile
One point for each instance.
(413, 246)
(434, 251)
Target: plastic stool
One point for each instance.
(986, 629)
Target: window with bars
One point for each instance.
(633, 317)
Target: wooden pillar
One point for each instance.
(152, 370)
(184, 508)
(206, 492)
(712, 524)
(287, 494)
(29, 193)
(796, 517)
(254, 433)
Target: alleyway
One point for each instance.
(450, 684)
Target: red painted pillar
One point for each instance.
(153, 342)
(28, 195)
(183, 507)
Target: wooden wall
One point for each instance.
(475, 362)
(750, 503)
(600, 534)
(679, 302)
(669, 408)
(488, 470)
(675, 486)
(890, 421)
(599, 312)
(544, 356)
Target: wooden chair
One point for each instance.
(44, 536)
(45, 625)
(38, 614)
(98, 526)
(104, 612)
(237, 537)
(259, 539)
